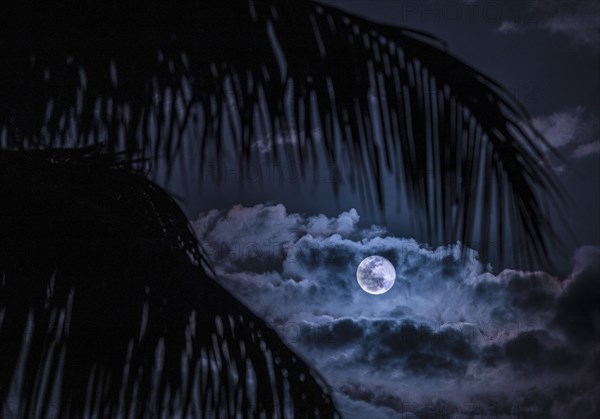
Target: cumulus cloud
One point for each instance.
(448, 339)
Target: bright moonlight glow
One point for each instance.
(376, 275)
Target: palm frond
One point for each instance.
(370, 97)
(109, 309)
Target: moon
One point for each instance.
(376, 275)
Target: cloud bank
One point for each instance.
(448, 340)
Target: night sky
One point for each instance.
(452, 338)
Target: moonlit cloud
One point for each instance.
(576, 19)
(573, 132)
(560, 128)
(584, 150)
(448, 339)
(509, 27)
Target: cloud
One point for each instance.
(265, 143)
(561, 128)
(449, 336)
(576, 19)
(584, 150)
(509, 27)
(578, 311)
(573, 131)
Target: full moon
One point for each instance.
(376, 275)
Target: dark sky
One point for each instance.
(544, 52)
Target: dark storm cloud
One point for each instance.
(536, 350)
(578, 310)
(388, 343)
(516, 296)
(448, 332)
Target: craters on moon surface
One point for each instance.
(376, 275)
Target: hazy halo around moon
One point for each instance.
(376, 275)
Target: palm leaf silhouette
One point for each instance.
(108, 308)
(159, 77)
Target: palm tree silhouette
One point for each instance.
(108, 305)
(108, 301)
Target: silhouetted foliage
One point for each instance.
(159, 76)
(108, 308)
